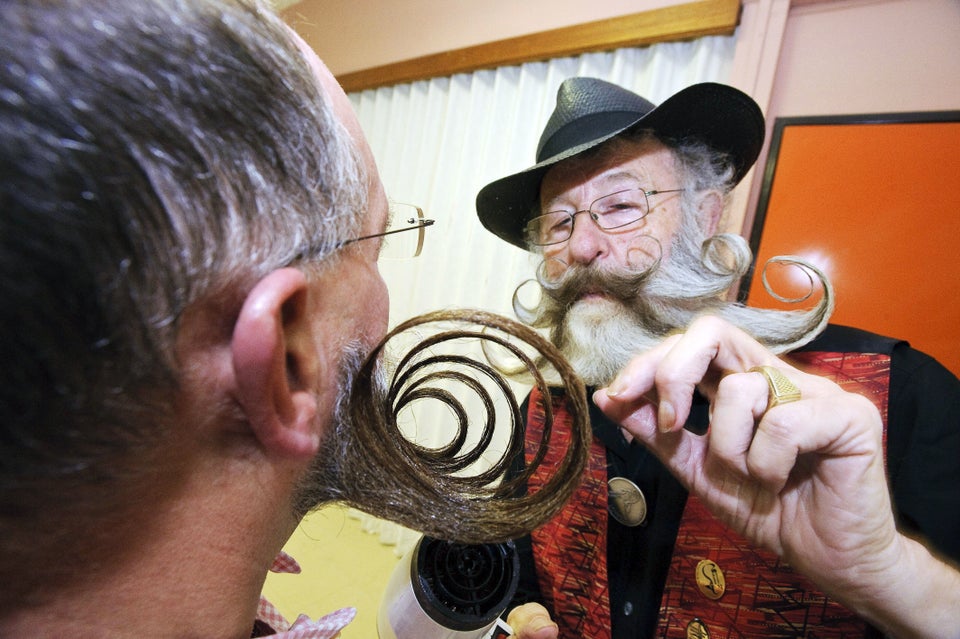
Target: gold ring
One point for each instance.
(782, 390)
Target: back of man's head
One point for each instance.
(156, 157)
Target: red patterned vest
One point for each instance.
(762, 596)
(570, 550)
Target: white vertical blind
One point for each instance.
(438, 141)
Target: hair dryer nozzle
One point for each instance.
(447, 590)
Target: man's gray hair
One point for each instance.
(155, 155)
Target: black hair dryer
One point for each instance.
(446, 590)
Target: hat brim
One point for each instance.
(722, 117)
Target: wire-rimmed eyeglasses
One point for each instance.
(609, 212)
(396, 243)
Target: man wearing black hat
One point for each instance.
(624, 204)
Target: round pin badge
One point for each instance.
(696, 629)
(626, 502)
(710, 579)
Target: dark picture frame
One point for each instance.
(874, 201)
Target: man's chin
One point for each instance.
(595, 304)
(592, 330)
(600, 335)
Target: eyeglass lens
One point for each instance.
(609, 212)
(406, 244)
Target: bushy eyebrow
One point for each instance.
(617, 176)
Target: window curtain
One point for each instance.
(438, 141)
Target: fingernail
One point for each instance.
(666, 417)
(615, 388)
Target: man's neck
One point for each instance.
(194, 591)
(188, 576)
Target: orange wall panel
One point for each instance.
(876, 205)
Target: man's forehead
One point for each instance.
(343, 111)
(628, 162)
(331, 88)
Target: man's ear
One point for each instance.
(711, 212)
(275, 364)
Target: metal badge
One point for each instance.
(710, 579)
(696, 629)
(626, 502)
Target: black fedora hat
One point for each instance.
(590, 111)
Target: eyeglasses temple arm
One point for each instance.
(419, 225)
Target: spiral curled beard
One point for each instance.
(366, 461)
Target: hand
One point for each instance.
(532, 621)
(805, 479)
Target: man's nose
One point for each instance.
(587, 240)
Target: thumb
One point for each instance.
(532, 621)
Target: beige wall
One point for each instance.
(351, 35)
(860, 56)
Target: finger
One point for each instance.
(710, 344)
(738, 405)
(532, 621)
(739, 427)
(837, 425)
(681, 451)
(638, 417)
(636, 380)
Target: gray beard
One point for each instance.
(640, 307)
(333, 469)
(599, 337)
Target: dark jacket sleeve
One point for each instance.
(923, 449)
(923, 436)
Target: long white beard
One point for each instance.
(600, 336)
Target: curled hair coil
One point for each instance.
(487, 505)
